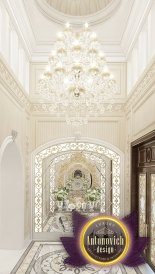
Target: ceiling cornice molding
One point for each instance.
(133, 29)
(77, 21)
(47, 108)
(112, 50)
(142, 87)
(12, 85)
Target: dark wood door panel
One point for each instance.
(143, 164)
(146, 155)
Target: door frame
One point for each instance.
(134, 174)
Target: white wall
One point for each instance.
(12, 49)
(11, 198)
(140, 118)
(142, 50)
(14, 116)
(46, 129)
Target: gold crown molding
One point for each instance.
(142, 87)
(13, 87)
(61, 18)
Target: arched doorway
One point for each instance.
(57, 151)
(11, 196)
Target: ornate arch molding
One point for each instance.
(69, 145)
(11, 195)
(6, 142)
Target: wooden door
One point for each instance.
(143, 190)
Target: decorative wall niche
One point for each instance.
(96, 153)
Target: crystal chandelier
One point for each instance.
(77, 81)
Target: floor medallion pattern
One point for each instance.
(48, 258)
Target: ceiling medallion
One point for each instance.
(79, 7)
(77, 80)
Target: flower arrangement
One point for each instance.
(93, 194)
(61, 193)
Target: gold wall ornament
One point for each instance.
(90, 177)
(77, 160)
(77, 80)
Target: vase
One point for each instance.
(60, 205)
(66, 203)
(91, 205)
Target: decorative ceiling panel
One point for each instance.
(78, 11)
(79, 7)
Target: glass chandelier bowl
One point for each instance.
(77, 81)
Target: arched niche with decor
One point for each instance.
(59, 150)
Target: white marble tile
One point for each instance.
(47, 258)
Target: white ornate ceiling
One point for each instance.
(77, 11)
(79, 7)
(116, 24)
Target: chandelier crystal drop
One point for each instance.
(77, 81)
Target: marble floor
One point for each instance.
(58, 222)
(47, 258)
(61, 222)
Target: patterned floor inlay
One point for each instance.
(47, 258)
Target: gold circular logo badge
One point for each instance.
(104, 241)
